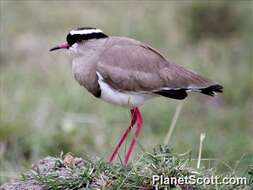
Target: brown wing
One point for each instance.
(137, 67)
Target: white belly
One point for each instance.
(129, 99)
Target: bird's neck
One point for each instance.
(85, 58)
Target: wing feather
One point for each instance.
(133, 66)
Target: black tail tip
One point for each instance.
(212, 90)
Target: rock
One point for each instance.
(24, 185)
(45, 167)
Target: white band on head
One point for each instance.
(85, 31)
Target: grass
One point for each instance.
(94, 173)
(43, 111)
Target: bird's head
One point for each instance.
(78, 35)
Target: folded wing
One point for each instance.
(136, 67)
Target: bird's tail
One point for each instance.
(212, 90)
(188, 81)
(181, 93)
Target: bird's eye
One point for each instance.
(79, 40)
(76, 38)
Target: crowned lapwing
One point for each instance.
(126, 72)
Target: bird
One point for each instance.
(127, 72)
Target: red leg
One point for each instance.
(124, 135)
(139, 121)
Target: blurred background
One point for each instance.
(44, 111)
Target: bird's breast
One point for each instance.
(127, 99)
(84, 71)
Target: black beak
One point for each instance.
(64, 45)
(55, 48)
